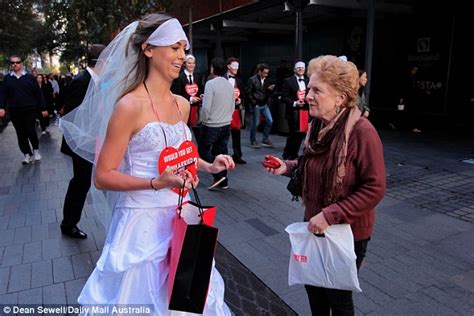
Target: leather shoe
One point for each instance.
(74, 232)
(240, 161)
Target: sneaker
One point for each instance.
(36, 155)
(268, 144)
(26, 160)
(43, 133)
(223, 185)
(216, 183)
(47, 130)
(255, 144)
(416, 130)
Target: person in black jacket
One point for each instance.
(82, 169)
(24, 98)
(293, 93)
(189, 85)
(258, 91)
(47, 90)
(238, 117)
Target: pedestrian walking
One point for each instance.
(21, 92)
(216, 113)
(361, 102)
(293, 94)
(258, 91)
(238, 117)
(80, 183)
(143, 119)
(341, 172)
(47, 90)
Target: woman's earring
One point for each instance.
(338, 109)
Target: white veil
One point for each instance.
(85, 127)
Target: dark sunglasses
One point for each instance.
(15, 62)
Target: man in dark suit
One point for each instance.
(237, 117)
(189, 86)
(293, 93)
(82, 169)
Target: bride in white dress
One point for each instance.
(133, 267)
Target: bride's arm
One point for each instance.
(220, 163)
(119, 131)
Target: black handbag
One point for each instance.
(294, 185)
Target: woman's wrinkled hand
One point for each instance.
(318, 224)
(221, 163)
(274, 165)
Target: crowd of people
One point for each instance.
(145, 99)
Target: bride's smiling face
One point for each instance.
(167, 60)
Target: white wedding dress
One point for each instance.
(133, 267)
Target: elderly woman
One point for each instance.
(341, 170)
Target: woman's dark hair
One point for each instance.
(219, 66)
(145, 28)
(361, 88)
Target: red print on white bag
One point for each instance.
(300, 258)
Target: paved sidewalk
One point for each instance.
(420, 260)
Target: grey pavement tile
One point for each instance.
(62, 269)
(33, 296)
(54, 230)
(33, 219)
(386, 285)
(464, 280)
(32, 252)
(456, 246)
(73, 289)
(262, 227)
(51, 249)
(42, 273)
(233, 234)
(39, 232)
(2, 249)
(69, 246)
(48, 216)
(424, 304)
(6, 237)
(82, 265)
(4, 222)
(448, 300)
(395, 277)
(4, 277)
(99, 239)
(298, 301)
(17, 220)
(364, 304)
(20, 278)
(9, 299)
(54, 294)
(22, 235)
(95, 255)
(12, 255)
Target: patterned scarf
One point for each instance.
(333, 137)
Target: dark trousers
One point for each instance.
(213, 142)
(236, 145)
(293, 141)
(77, 191)
(44, 122)
(334, 302)
(24, 123)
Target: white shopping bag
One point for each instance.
(328, 261)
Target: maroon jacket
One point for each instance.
(363, 186)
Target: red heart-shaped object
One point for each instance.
(236, 93)
(191, 89)
(300, 95)
(185, 157)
